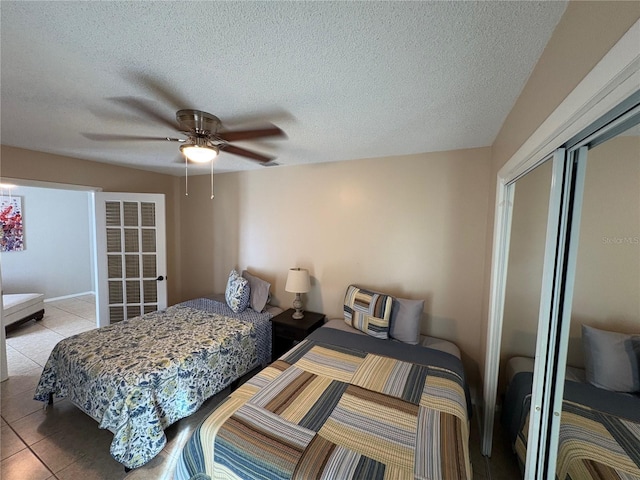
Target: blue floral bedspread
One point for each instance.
(261, 321)
(139, 376)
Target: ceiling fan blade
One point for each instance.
(146, 108)
(108, 137)
(261, 117)
(160, 89)
(236, 135)
(243, 152)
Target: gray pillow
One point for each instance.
(406, 316)
(611, 360)
(259, 291)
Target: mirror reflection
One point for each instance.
(521, 311)
(600, 423)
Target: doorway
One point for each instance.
(57, 261)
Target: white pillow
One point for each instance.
(259, 291)
(611, 359)
(406, 316)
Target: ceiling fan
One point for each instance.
(205, 137)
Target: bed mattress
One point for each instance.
(516, 365)
(425, 341)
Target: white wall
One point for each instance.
(57, 259)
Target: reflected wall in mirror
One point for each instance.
(522, 297)
(607, 285)
(601, 410)
(524, 270)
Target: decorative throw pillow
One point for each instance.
(237, 293)
(611, 359)
(406, 316)
(368, 311)
(259, 291)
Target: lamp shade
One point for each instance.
(199, 154)
(298, 281)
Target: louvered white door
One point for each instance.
(130, 255)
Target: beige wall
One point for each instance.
(30, 165)
(412, 226)
(586, 32)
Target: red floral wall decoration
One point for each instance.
(11, 222)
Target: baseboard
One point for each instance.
(65, 297)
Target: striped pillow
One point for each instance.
(368, 311)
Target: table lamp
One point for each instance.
(298, 282)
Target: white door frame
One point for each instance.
(615, 78)
(100, 267)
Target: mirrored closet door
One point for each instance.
(567, 308)
(600, 408)
(529, 217)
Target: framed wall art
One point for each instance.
(11, 221)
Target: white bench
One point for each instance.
(21, 307)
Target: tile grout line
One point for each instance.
(53, 475)
(28, 447)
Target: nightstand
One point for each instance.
(287, 331)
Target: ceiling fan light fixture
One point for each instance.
(199, 152)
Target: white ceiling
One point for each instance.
(344, 80)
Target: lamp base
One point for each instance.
(297, 304)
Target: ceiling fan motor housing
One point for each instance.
(198, 122)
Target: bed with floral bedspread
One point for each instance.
(137, 377)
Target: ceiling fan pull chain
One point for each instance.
(212, 180)
(186, 177)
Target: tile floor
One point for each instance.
(61, 442)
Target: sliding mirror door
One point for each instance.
(521, 311)
(599, 429)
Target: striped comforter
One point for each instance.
(340, 406)
(599, 432)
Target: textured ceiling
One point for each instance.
(344, 80)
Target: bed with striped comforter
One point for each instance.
(340, 405)
(599, 430)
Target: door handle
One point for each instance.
(160, 278)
